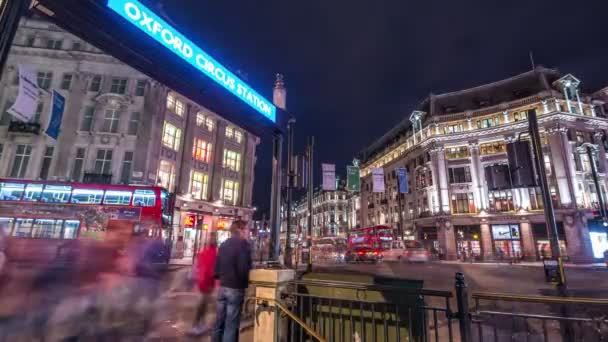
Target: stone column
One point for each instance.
(602, 163)
(487, 248)
(563, 166)
(266, 297)
(439, 168)
(527, 241)
(578, 243)
(216, 177)
(447, 239)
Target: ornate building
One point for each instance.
(452, 143)
(120, 126)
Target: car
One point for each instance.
(395, 252)
(414, 251)
(363, 254)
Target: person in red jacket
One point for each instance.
(205, 262)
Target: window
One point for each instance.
(33, 192)
(170, 101)
(116, 197)
(166, 174)
(110, 121)
(462, 204)
(38, 114)
(202, 150)
(179, 107)
(103, 162)
(78, 165)
(66, 81)
(459, 175)
(70, 229)
(175, 105)
(76, 45)
(133, 123)
(30, 40)
(198, 185)
(119, 86)
(144, 198)
(501, 201)
(47, 159)
(232, 160)
(488, 122)
(171, 136)
(47, 229)
(229, 132)
(22, 159)
(200, 119)
(87, 119)
(86, 196)
(210, 124)
(127, 165)
(229, 192)
(44, 79)
(585, 162)
(54, 44)
(238, 136)
(140, 88)
(56, 193)
(492, 148)
(23, 228)
(523, 115)
(95, 84)
(453, 128)
(505, 232)
(11, 191)
(457, 152)
(536, 199)
(547, 160)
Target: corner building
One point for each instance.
(122, 127)
(452, 144)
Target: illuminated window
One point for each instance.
(210, 124)
(547, 160)
(230, 191)
(229, 132)
(166, 174)
(175, 105)
(23, 228)
(144, 198)
(198, 185)
(170, 101)
(202, 150)
(171, 136)
(32, 192)
(200, 119)
(47, 229)
(86, 196)
(492, 148)
(238, 136)
(70, 229)
(232, 160)
(115, 197)
(56, 193)
(462, 204)
(11, 191)
(179, 107)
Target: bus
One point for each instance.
(368, 244)
(40, 217)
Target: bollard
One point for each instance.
(462, 301)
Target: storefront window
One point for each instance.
(493, 147)
(506, 241)
(468, 242)
(501, 201)
(463, 203)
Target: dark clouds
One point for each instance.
(354, 68)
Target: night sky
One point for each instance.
(353, 69)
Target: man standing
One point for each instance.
(232, 268)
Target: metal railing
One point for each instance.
(373, 313)
(499, 316)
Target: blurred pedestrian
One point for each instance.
(232, 268)
(205, 263)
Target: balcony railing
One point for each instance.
(24, 127)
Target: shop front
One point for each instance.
(507, 241)
(543, 244)
(598, 235)
(468, 242)
(193, 230)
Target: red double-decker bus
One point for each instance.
(368, 243)
(41, 216)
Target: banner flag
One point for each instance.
(25, 105)
(56, 115)
(353, 180)
(378, 180)
(329, 176)
(402, 179)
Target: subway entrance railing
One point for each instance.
(313, 309)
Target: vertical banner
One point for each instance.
(378, 180)
(353, 180)
(56, 115)
(329, 176)
(402, 179)
(25, 105)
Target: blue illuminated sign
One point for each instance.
(145, 20)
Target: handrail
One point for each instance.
(349, 285)
(293, 316)
(507, 297)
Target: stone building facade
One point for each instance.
(450, 141)
(122, 127)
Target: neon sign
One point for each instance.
(145, 20)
